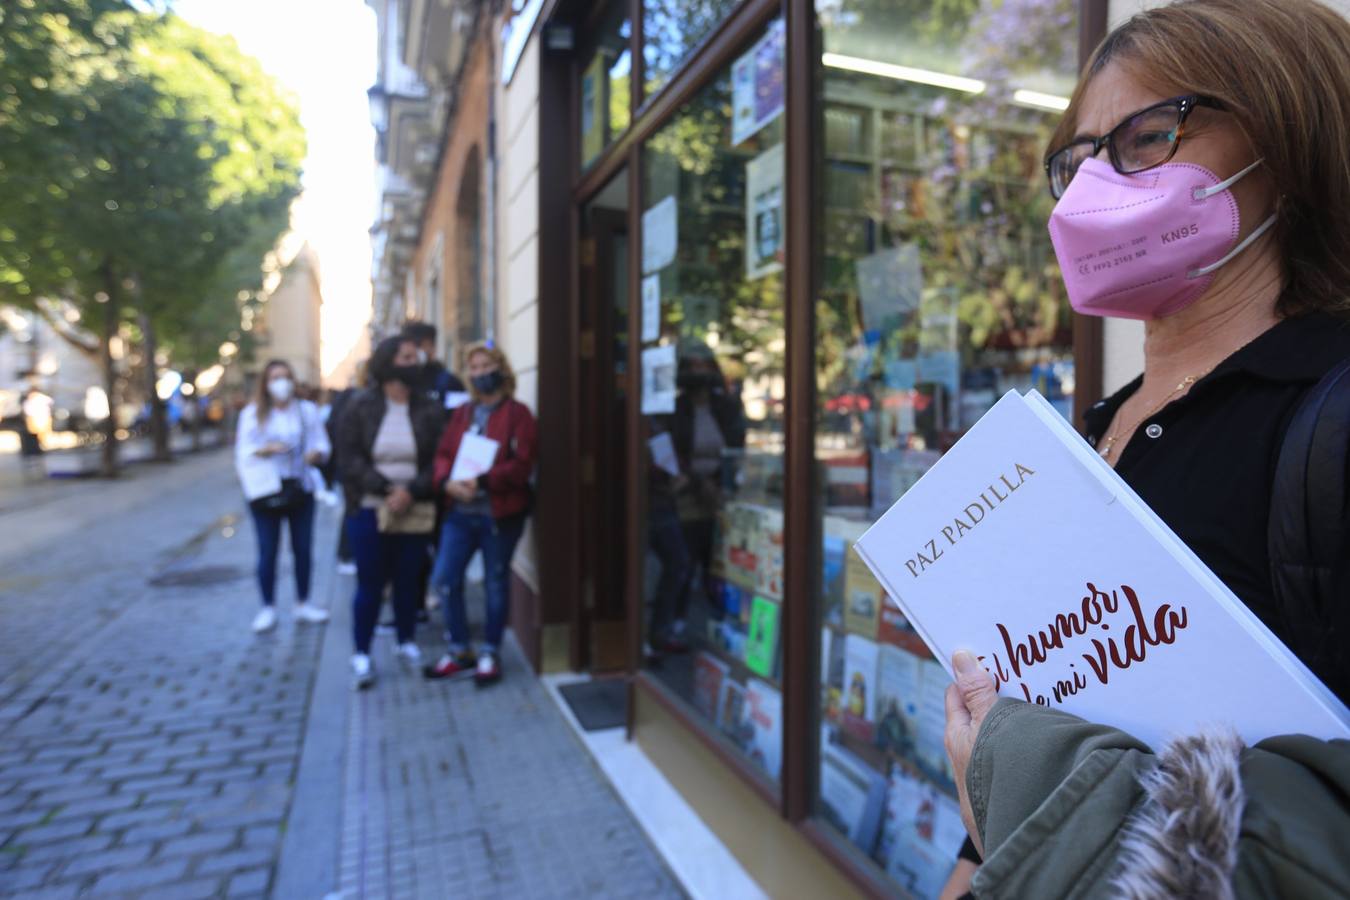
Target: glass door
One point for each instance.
(604, 386)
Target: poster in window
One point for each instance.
(660, 235)
(651, 308)
(593, 90)
(757, 85)
(764, 213)
(658, 380)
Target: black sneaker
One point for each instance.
(488, 671)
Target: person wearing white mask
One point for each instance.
(279, 441)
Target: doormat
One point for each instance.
(598, 704)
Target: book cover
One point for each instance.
(852, 794)
(1024, 547)
(761, 644)
(764, 714)
(769, 561)
(863, 598)
(740, 547)
(921, 834)
(899, 694)
(731, 712)
(709, 672)
(860, 676)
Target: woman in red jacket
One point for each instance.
(488, 494)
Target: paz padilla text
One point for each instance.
(1091, 619)
(967, 519)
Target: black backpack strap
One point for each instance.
(1309, 529)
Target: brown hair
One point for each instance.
(263, 400)
(495, 354)
(1281, 68)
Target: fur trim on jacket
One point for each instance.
(1183, 841)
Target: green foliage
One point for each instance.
(139, 156)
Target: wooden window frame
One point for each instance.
(795, 795)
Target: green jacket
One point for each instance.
(1066, 808)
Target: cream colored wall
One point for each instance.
(1123, 341)
(517, 191)
(293, 316)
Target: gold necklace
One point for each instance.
(1110, 442)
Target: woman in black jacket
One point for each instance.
(386, 447)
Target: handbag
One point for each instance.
(420, 518)
(292, 495)
(287, 500)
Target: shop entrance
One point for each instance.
(604, 383)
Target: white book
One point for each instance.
(1024, 547)
(475, 457)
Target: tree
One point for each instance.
(143, 164)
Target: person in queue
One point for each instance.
(279, 440)
(486, 511)
(708, 431)
(386, 446)
(435, 380)
(1223, 126)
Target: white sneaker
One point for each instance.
(409, 654)
(363, 676)
(265, 620)
(308, 612)
(346, 568)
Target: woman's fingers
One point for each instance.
(975, 684)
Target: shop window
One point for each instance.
(671, 29)
(938, 293)
(606, 84)
(713, 403)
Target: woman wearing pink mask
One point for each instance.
(1202, 172)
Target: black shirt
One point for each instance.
(1205, 463)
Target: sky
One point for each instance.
(323, 51)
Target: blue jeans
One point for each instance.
(267, 525)
(666, 538)
(380, 559)
(462, 535)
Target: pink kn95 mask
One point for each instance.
(1144, 246)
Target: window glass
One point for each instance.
(671, 29)
(939, 292)
(712, 402)
(606, 84)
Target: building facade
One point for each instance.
(292, 314)
(758, 263)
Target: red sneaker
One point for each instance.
(450, 666)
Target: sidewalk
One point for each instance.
(445, 789)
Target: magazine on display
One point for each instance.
(1024, 547)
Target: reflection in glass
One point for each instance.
(939, 292)
(605, 84)
(712, 403)
(673, 28)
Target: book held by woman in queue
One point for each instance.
(1024, 547)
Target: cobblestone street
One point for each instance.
(153, 746)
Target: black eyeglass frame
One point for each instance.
(1185, 105)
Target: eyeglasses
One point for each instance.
(1143, 140)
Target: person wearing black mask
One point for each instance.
(434, 380)
(486, 511)
(386, 447)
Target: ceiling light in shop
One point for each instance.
(1044, 101)
(903, 73)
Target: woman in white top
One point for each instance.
(279, 441)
